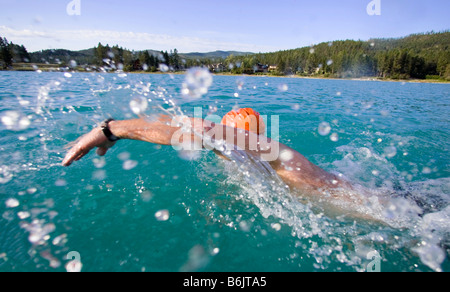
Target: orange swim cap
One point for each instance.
(246, 119)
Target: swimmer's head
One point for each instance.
(246, 119)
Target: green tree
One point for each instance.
(6, 53)
(175, 60)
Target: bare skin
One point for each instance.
(303, 177)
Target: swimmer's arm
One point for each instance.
(157, 131)
(290, 165)
(296, 171)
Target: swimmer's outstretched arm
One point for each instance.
(157, 132)
(290, 165)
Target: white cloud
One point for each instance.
(35, 40)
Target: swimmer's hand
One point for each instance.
(85, 144)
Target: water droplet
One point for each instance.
(197, 82)
(23, 215)
(31, 191)
(162, 215)
(12, 203)
(244, 226)
(15, 121)
(334, 137)
(129, 164)
(189, 155)
(163, 68)
(5, 174)
(324, 128)
(124, 156)
(276, 226)
(67, 75)
(146, 196)
(286, 155)
(60, 183)
(99, 174)
(138, 105)
(99, 162)
(283, 87)
(390, 151)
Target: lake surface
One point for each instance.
(148, 208)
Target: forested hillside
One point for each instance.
(417, 56)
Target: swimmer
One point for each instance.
(305, 179)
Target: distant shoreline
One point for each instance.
(49, 68)
(437, 81)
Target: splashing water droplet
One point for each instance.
(23, 215)
(138, 105)
(129, 164)
(276, 226)
(12, 203)
(324, 129)
(197, 82)
(15, 121)
(67, 75)
(286, 155)
(334, 137)
(390, 151)
(162, 215)
(60, 183)
(283, 87)
(189, 155)
(99, 162)
(163, 68)
(124, 156)
(5, 174)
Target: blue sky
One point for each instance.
(209, 25)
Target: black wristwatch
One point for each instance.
(105, 128)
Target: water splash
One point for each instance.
(197, 83)
(16, 121)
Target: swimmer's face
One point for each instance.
(246, 119)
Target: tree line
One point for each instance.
(418, 56)
(10, 53)
(135, 61)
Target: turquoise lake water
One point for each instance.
(149, 208)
